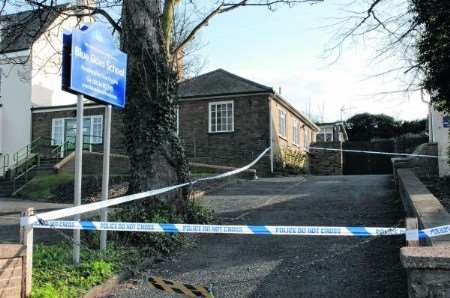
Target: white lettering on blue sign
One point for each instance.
(97, 68)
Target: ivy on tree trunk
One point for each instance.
(156, 156)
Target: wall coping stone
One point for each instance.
(71, 156)
(423, 204)
(425, 257)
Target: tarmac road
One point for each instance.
(10, 209)
(293, 266)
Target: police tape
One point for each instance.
(379, 152)
(434, 232)
(219, 229)
(174, 287)
(61, 213)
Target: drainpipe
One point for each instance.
(430, 117)
(271, 135)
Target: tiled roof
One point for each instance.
(20, 30)
(219, 82)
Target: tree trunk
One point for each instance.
(156, 155)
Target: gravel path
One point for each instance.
(293, 266)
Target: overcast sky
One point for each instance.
(285, 49)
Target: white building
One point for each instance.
(30, 62)
(439, 133)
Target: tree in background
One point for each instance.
(433, 47)
(416, 32)
(413, 127)
(146, 29)
(365, 126)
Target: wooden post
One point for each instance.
(412, 231)
(27, 240)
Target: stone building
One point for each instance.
(332, 132)
(229, 120)
(222, 119)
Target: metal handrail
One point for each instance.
(5, 161)
(25, 173)
(27, 150)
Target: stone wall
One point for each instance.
(324, 162)
(428, 270)
(250, 137)
(421, 166)
(428, 266)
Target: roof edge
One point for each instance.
(284, 102)
(224, 94)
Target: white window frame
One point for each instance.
(307, 140)
(102, 128)
(54, 120)
(216, 103)
(326, 130)
(282, 128)
(296, 132)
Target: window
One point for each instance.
(96, 130)
(326, 134)
(57, 131)
(282, 123)
(64, 129)
(306, 137)
(295, 133)
(221, 116)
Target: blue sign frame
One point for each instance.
(446, 121)
(93, 66)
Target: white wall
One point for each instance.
(46, 75)
(15, 98)
(441, 137)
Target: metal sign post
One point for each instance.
(92, 66)
(105, 176)
(78, 175)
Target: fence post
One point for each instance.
(412, 231)
(26, 233)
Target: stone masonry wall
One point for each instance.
(250, 136)
(323, 162)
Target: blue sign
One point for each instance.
(446, 121)
(93, 66)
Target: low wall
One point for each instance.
(421, 203)
(428, 271)
(428, 267)
(12, 270)
(422, 167)
(324, 162)
(119, 165)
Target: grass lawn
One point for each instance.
(41, 188)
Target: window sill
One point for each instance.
(220, 132)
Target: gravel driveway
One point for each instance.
(293, 266)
